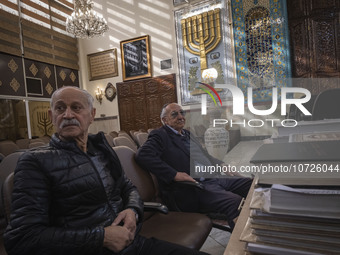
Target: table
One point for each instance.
(235, 246)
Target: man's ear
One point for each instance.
(93, 113)
(50, 115)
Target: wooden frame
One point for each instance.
(136, 58)
(102, 64)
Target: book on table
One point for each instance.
(256, 248)
(293, 220)
(295, 207)
(309, 126)
(314, 136)
(312, 163)
(281, 199)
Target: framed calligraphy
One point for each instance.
(136, 58)
(102, 64)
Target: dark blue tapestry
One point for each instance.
(261, 46)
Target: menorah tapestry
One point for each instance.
(41, 124)
(204, 41)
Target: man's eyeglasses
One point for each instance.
(174, 114)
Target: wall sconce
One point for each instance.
(99, 95)
(209, 75)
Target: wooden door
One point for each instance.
(315, 42)
(140, 102)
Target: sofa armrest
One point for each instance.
(154, 206)
(189, 183)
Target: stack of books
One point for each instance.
(287, 220)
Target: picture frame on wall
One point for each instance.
(102, 64)
(179, 2)
(136, 63)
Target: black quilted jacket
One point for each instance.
(59, 205)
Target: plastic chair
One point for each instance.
(149, 130)
(296, 114)
(113, 134)
(36, 144)
(23, 143)
(7, 167)
(8, 147)
(141, 138)
(109, 139)
(124, 141)
(327, 105)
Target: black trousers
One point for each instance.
(220, 195)
(153, 246)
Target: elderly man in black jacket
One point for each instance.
(168, 154)
(72, 197)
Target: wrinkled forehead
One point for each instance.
(69, 96)
(174, 108)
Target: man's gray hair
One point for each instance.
(163, 113)
(90, 99)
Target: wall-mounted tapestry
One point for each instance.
(204, 42)
(41, 124)
(12, 75)
(261, 46)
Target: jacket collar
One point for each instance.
(176, 139)
(72, 145)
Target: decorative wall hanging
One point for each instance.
(102, 64)
(261, 46)
(12, 75)
(40, 78)
(67, 77)
(136, 58)
(41, 124)
(203, 43)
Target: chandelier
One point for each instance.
(84, 22)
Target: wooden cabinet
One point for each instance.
(140, 101)
(315, 42)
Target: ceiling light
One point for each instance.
(84, 22)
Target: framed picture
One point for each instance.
(136, 58)
(166, 64)
(102, 64)
(179, 2)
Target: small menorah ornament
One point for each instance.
(201, 34)
(44, 122)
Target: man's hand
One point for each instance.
(117, 237)
(128, 217)
(181, 176)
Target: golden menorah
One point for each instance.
(44, 122)
(201, 34)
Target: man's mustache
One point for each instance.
(69, 123)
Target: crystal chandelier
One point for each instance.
(84, 22)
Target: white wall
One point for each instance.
(128, 19)
(133, 18)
